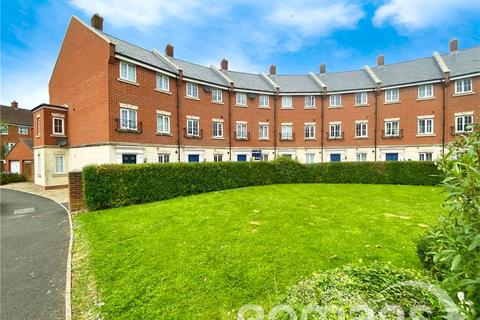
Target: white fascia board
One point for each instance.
(222, 75)
(372, 75)
(317, 80)
(315, 94)
(218, 86)
(270, 81)
(146, 66)
(266, 93)
(349, 91)
(415, 84)
(166, 60)
(471, 75)
(441, 63)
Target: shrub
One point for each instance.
(376, 286)
(8, 177)
(451, 249)
(115, 185)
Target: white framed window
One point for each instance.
(287, 132)
(309, 130)
(287, 102)
(464, 123)
(163, 123)
(264, 156)
(58, 125)
(361, 98)
(163, 157)
(392, 95)
(361, 130)
(264, 101)
(241, 99)
(22, 130)
(463, 86)
(192, 90)
(241, 132)
(335, 100)
(39, 164)
(218, 157)
(425, 126)
(392, 128)
(217, 95)
(4, 129)
(128, 71)
(128, 119)
(425, 156)
(39, 123)
(9, 146)
(217, 129)
(58, 163)
(309, 101)
(335, 131)
(425, 91)
(193, 127)
(263, 131)
(163, 82)
(309, 157)
(362, 156)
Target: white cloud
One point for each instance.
(417, 14)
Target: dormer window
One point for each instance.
(58, 126)
(128, 71)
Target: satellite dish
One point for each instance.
(207, 88)
(62, 142)
(252, 95)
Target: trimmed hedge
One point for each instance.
(8, 177)
(115, 185)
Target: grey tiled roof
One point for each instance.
(349, 80)
(21, 117)
(463, 62)
(408, 72)
(249, 81)
(199, 72)
(296, 83)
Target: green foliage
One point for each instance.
(8, 177)
(376, 286)
(451, 249)
(115, 185)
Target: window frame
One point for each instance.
(463, 86)
(260, 135)
(62, 126)
(309, 102)
(163, 156)
(128, 119)
(167, 117)
(241, 130)
(217, 95)
(216, 127)
(55, 168)
(287, 134)
(191, 90)
(361, 124)
(128, 71)
(217, 157)
(425, 95)
(20, 130)
(425, 156)
(361, 156)
(166, 80)
(287, 102)
(335, 100)
(39, 124)
(464, 124)
(361, 95)
(4, 130)
(425, 126)
(241, 99)
(193, 127)
(337, 134)
(266, 98)
(390, 97)
(309, 131)
(309, 155)
(392, 131)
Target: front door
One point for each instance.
(129, 158)
(335, 157)
(241, 157)
(193, 158)
(391, 156)
(15, 166)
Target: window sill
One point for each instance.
(286, 108)
(192, 98)
(218, 138)
(241, 105)
(164, 134)
(426, 98)
(163, 91)
(335, 107)
(263, 139)
(58, 135)
(64, 174)
(463, 94)
(392, 102)
(128, 130)
(263, 107)
(217, 102)
(361, 138)
(128, 81)
(361, 105)
(310, 139)
(310, 108)
(426, 135)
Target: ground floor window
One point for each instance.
(193, 158)
(241, 157)
(58, 163)
(361, 157)
(129, 158)
(391, 156)
(289, 156)
(335, 157)
(264, 157)
(425, 156)
(310, 158)
(218, 157)
(163, 158)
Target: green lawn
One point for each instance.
(204, 256)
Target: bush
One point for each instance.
(376, 286)
(8, 177)
(115, 185)
(451, 249)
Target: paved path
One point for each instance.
(58, 195)
(35, 235)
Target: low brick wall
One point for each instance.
(75, 191)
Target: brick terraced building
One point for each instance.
(114, 102)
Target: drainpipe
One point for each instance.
(375, 140)
(230, 122)
(322, 131)
(275, 99)
(178, 80)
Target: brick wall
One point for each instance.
(75, 191)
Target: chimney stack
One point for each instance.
(169, 50)
(14, 104)
(97, 22)
(273, 69)
(453, 44)
(224, 64)
(323, 68)
(380, 60)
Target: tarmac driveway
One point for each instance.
(35, 235)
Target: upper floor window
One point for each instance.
(58, 125)
(128, 71)
(192, 90)
(38, 126)
(217, 95)
(163, 123)
(22, 130)
(392, 128)
(361, 98)
(241, 130)
(241, 99)
(335, 131)
(309, 131)
(128, 119)
(163, 82)
(425, 91)
(335, 100)
(264, 101)
(425, 126)
(463, 123)
(4, 129)
(361, 130)
(287, 132)
(58, 164)
(463, 85)
(287, 102)
(217, 129)
(193, 127)
(263, 131)
(309, 101)
(392, 95)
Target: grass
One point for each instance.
(204, 256)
